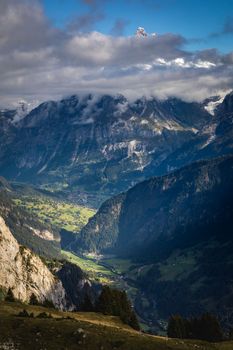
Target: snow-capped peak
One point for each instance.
(141, 32)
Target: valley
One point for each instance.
(116, 175)
(120, 214)
(174, 257)
(122, 274)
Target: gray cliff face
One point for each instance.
(25, 273)
(105, 143)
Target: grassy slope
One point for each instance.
(87, 331)
(106, 271)
(94, 270)
(59, 214)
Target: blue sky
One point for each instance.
(201, 21)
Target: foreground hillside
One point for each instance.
(87, 331)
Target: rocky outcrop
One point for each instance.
(44, 234)
(77, 285)
(25, 273)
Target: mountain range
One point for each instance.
(93, 147)
(160, 172)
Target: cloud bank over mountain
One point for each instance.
(39, 61)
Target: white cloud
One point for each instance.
(39, 62)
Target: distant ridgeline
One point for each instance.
(90, 148)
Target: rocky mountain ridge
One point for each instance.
(214, 140)
(101, 144)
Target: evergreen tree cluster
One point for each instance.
(111, 301)
(115, 302)
(205, 327)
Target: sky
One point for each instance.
(54, 48)
(197, 20)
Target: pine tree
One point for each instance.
(104, 303)
(133, 322)
(10, 296)
(177, 327)
(115, 302)
(205, 327)
(230, 334)
(48, 303)
(210, 329)
(87, 305)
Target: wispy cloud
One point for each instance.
(227, 29)
(119, 27)
(87, 21)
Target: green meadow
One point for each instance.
(59, 214)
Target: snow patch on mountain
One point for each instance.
(144, 122)
(212, 105)
(132, 145)
(211, 131)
